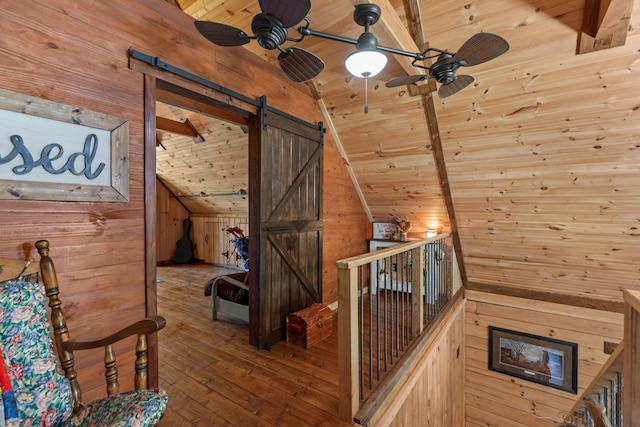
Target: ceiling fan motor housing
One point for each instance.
(444, 69)
(269, 31)
(366, 14)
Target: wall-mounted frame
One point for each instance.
(384, 230)
(53, 151)
(543, 360)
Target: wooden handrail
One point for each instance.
(612, 366)
(632, 298)
(370, 257)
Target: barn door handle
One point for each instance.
(278, 228)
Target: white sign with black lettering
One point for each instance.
(53, 151)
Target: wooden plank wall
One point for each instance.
(77, 53)
(207, 233)
(170, 215)
(432, 395)
(500, 400)
(212, 242)
(345, 223)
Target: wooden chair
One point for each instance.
(28, 361)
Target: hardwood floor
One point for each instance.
(215, 378)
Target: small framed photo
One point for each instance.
(543, 360)
(384, 230)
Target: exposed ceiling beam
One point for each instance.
(208, 102)
(417, 30)
(429, 106)
(605, 24)
(181, 128)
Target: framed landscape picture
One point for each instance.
(543, 360)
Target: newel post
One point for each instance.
(417, 288)
(348, 397)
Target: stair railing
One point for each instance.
(613, 397)
(386, 299)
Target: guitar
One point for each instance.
(184, 247)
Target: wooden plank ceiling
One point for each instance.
(539, 158)
(202, 160)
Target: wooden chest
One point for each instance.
(310, 325)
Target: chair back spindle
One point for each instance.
(141, 362)
(58, 320)
(111, 372)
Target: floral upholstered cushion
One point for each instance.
(41, 391)
(130, 409)
(34, 379)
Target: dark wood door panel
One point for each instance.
(286, 172)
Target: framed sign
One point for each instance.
(384, 230)
(534, 358)
(53, 151)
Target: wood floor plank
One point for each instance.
(215, 378)
(226, 362)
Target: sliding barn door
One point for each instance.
(285, 254)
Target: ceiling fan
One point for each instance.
(480, 48)
(270, 30)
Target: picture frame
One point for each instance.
(384, 230)
(59, 152)
(535, 358)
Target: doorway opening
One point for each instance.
(284, 198)
(291, 217)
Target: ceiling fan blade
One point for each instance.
(406, 80)
(289, 12)
(480, 48)
(300, 65)
(221, 34)
(455, 86)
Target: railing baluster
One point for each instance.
(361, 318)
(384, 312)
(378, 324)
(441, 281)
(397, 323)
(401, 296)
(417, 291)
(391, 316)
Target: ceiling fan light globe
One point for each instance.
(365, 63)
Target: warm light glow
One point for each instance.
(365, 63)
(430, 233)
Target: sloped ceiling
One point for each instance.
(208, 173)
(538, 162)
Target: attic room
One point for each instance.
(527, 169)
